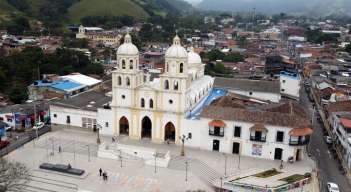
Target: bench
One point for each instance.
(61, 168)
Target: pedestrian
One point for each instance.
(59, 148)
(100, 172)
(167, 141)
(69, 166)
(106, 176)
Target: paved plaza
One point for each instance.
(79, 149)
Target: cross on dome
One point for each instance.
(176, 40)
(127, 38)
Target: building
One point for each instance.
(290, 84)
(257, 89)
(183, 102)
(99, 35)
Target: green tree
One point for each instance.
(17, 93)
(18, 26)
(215, 54)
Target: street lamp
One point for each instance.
(183, 138)
(186, 170)
(225, 164)
(98, 140)
(221, 178)
(88, 152)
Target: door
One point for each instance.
(278, 154)
(215, 146)
(298, 155)
(236, 148)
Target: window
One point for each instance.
(237, 131)
(131, 64)
(283, 90)
(123, 96)
(106, 124)
(170, 101)
(280, 136)
(88, 122)
(176, 85)
(123, 64)
(166, 84)
(151, 103)
(127, 81)
(119, 80)
(216, 131)
(167, 67)
(55, 115)
(283, 81)
(181, 68)
(142, 103)
(250, 93)
(68, 120)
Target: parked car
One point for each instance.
(4, 144)
(38, 125)
(332, 187)
(328, 140)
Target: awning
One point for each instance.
(259, 127)
(346, 122)
(301, 131)
(217, 123)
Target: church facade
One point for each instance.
(156, 109)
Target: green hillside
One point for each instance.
(5, 10)
(105, 7)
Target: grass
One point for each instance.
(268, 173)
(293, 178)
(105, 7)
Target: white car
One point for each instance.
(332, 187)
(38, 125)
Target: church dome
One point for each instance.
(194, 58)
(176, 50)
(127, 48)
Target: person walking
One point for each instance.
(106, 176)
(100, 172)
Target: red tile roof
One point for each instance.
(346, 122)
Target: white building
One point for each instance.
(290, 84)
(178, 103)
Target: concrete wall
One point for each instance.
(75, 115)
(290, 86)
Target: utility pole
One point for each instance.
(225, 164)
(186, 171)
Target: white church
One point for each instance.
(180, 102)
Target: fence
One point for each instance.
(29, 136)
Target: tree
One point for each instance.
(13, 176)
(215, 54)
(18, 26)
(18, 94)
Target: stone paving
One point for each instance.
(133, 175)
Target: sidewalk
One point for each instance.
(134, 175)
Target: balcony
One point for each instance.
(299, 142)
(257, 139)
(216, 133)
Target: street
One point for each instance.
(327, 165)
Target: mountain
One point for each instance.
(312, 7)
(73, 10)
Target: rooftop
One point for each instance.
(247, 85)
(90, 101)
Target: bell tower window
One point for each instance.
(142, 103)
(123, 64)
(127, 81)
(131, 64)
(166, 84)
(181, 68)
(176, 85)
(119, 80)
(151, 103)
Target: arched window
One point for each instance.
(123, 64)
(167, 68)
(176, 85)
(151, 103)
(181, 68)
(119, 80)
(127, 81)
(142, 102)
(166, 85)
(131, 64)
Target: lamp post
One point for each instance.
(225, 164)
(98, 140)
(183, 138)
(221, 178)
(88, 152)
(186, 171)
